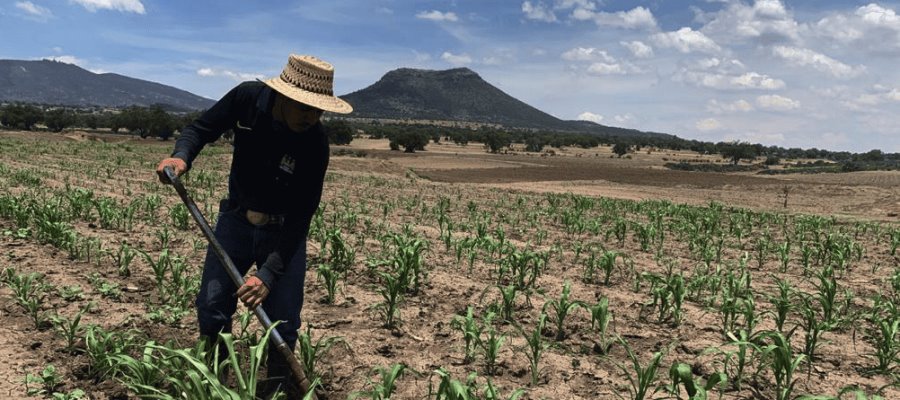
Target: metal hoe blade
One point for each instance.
(274, 337)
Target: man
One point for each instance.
(274, 187)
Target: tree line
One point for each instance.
(156, 121)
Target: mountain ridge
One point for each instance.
(460, 94)
(58, 83)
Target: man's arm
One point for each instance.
(210, 125)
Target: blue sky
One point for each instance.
(799, 73)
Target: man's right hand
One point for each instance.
(178, 165)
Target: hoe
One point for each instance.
(274, 337)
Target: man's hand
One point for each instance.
(178, 165)
(253, 292)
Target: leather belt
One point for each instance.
(260, 218)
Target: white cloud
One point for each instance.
(435, 15)
(67, 59)
(818, 61)
(236, 76)
(877, 15)
(589, 116)
(134, 6)
(538, 12)
(753, 80)
(586, 54)
(724, 81)
(636, 18)
(776, 102)
(708, 124)
(716, 107)
(34, 11)
(873, 28)
(601, 68)
(460, 59)
(766, 21)
(638, 49)
(686, 40)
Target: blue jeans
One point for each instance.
(246, 244)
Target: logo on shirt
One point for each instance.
(287, 164)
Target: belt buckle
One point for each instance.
(257, 218)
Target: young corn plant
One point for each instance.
(311, 352)
(560, 309)
(778, 356)
(600, 318)
(886, 342)
(391, 291)
(681, 375)
(123, 258)
(471, 329)
(642, 378)
(534, 348)
(490, 344)
(69, 329)
(383, 388)
(30, 291)
(783, 303)
(331, 278)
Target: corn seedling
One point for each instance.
(681, 374)
(69, 329)
(391, 292)
(600, 318)
(71, 293)
(490, 344)
(383, 388)
(331, 278)
(777, 355)
(534, 348)
(640, 377)
(471, 330)
(311, 352)
(561, 308)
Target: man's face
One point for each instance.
(297, 116)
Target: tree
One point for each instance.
(534, 143)
(737, 151)
(494, 141)
(620, 149)
(410, 140)
(21, 116)
(59, 119)
(339, 132)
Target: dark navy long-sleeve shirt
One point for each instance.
(273, 170)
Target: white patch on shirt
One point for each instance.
(287, 164)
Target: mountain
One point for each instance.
(459, 94)
(57, 83)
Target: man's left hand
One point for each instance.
(253, 292)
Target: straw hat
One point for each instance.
(309, 80)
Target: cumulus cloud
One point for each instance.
(638, 49)
(589, 116)
(236, 76)
(725, 81)
(708, 124)
(456, 59)
(686, 40)
(806, 57)
(636, 18)
(435, 15)
(538, 11)
(602, 68)
(34, 11)
(872, 27)
(872, 98)
(586, 54)
(133, 6)
(766, 22)
(67, 59)
(717, 107)
(877, 15)
(777, 103)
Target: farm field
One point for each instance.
(568, 276)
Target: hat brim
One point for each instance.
(320, 101)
